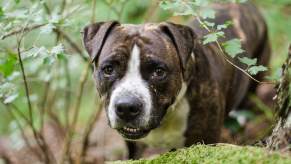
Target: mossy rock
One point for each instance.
(221, 153)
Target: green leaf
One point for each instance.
(209, 24)
(233, 47)
(166, 5)
(47, 29)
(8, 92)
(35, 52)
(58, 49)
(248, 61)
(256, 69)
(1, 13)
(10, 98)
(224, 26)
(49, 60)
(61, 56)
(7, 64)
(207, 13)
(212, 37)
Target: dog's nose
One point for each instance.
(128, 108)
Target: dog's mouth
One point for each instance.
(133, 133)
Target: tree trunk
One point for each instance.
(280, 138)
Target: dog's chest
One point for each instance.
(171, 132)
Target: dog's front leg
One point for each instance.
(206, 115)
(134, 149)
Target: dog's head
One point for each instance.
(139, 69)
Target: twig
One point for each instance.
(65, 36)
(47, 9)
(63, 6)
(24, 80)
(93, 11)
(43, 102)
(230, 62)
(68, 139)
(88, 130)
(74, 45)
(26, 29)
(152, 11)
(38, 137)
(111, 7)
(26, 140)
(117, 12)
(68, 94)
(121, 10)
(20, 114)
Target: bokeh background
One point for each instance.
(60, 83)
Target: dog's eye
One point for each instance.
(108, 70)
(159, 73)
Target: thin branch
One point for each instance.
(111, 7)
(74, 45)
(93, 11)
(88, 130)
(38, 137)
(123, 4)
(47, 9)
(26, 29)
(230, 62)
(43, 102)
(58, 31)
(63, 6)
(24, 80)
(152, 11)
(20, 114)
(26, 140)
(68, 139)
(67, 93)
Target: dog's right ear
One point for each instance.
(94, 36)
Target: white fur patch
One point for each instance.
(131, 84)
(170, 134)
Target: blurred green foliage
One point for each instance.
(50, 59)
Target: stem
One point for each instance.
(71, 129)
(26, 29)
(152, 11)
(111, 7)
(38, 137)
(93, 11)
(88, 130)
(121, 10)
(63, 6)
(230, 62)
(26, 140)
(25, 82)
(74, 45)
(68, 94)
(44, 102)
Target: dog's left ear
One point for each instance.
(94, 36)
(183, 39)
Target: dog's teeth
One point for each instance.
(133, 130)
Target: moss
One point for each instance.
(221, 153)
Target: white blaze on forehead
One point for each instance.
(131, 84)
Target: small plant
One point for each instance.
(203, 13)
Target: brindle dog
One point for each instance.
(162, 86)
